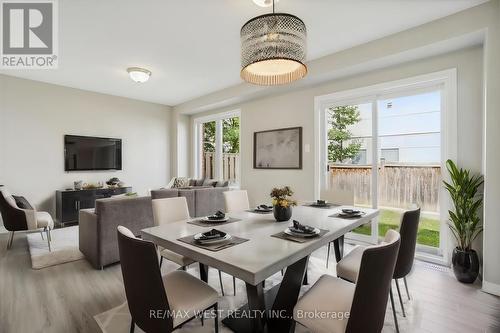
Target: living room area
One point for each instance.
(250, 166)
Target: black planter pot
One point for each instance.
(282, 214)
(465, 265)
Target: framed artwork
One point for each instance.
(278, 149)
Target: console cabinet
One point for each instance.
(69, 202)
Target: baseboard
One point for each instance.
(491, 288)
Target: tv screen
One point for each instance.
(90, 153)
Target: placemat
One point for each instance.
(201, 223)
(282, 235)
(259, 212)
(328, 206)
(213, 247)
(347, 217)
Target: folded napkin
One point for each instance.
(298, 227)
(217, 216)
(212, 234)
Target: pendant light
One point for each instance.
(273, 49)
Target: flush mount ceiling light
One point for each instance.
(139, 75)
(264, 3)
(273, 49)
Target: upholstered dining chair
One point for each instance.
(168, 210)
(337, 197)
(17, 219)
(348, 268)
(174, 298)
(365, 302)
(236, 201)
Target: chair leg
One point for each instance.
(161, 260)
(292, 326)
(48, 239)
(50, 234)
(400, 298)
(234, 286)
(132, 326)
(406, 286)
(10, 240)
(216, 320)
(328, 254)
(394, 311)
(41, 233)
(183, 268)
(221, 286)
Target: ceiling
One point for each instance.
(193, 48)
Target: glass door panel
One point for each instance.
(231, 149)
(409, 172)
(350, 155)
(208, 155)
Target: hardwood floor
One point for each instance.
(65, 298)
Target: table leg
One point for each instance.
(203, 272)
(287, 296)
(256, 306)
(338, 246)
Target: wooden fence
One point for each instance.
(230, 166)
(399, 185)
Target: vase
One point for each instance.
(282, 214)
(465, 265)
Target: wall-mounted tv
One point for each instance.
(83, 153)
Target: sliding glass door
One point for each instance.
(385, 149)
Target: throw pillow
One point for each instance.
(22, 203)
(180, 182)
(222, 183)
(199, 182)
(209, 182)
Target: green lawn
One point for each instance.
(428, 230)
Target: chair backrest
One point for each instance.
(408, 231)
(236, 201)
(169, 210)
(143, 282)
(373, 284)
(338, 196)
(14, 219)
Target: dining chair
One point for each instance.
(337, 197)
(174, 299)
(17, 219)
(236, 201)
(357, 307)
(348, 268)
(169, 210)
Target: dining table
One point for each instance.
(262, 256)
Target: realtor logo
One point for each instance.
(29, 34)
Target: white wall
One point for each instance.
(35, 116)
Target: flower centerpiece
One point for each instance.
(282, 203)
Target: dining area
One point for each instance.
(252, 245)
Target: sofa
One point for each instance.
(202, 200)
(97, 227)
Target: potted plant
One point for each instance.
(465, 224)
(282, 203)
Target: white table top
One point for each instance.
(263, 255)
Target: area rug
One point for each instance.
(64, 246)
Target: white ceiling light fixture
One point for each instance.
(264, 3)
(139, 75)
(273, 49)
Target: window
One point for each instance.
(389, 155)
(217, 147)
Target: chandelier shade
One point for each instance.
(273, 49)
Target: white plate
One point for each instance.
(290, 232)
(211, 241)
(207, 220)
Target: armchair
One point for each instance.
(17, 219)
